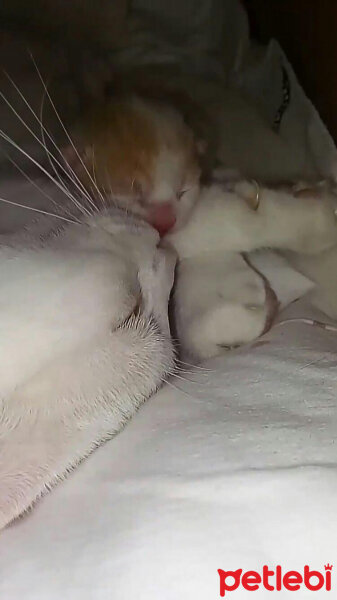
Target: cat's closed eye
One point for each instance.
(182, 193)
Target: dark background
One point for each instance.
(307, 31)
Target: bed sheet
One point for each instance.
(233, 468)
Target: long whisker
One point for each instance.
(64, 127)
(94, 174)
(36, 185)
(112, 198)
(38, 210)
(79, 184)
(36, 163)
(175, 387)
(43, 132)
(51, 156)
(174, 374)
(178, 369)
(34, 135)
(195, 366)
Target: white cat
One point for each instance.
(84, 326)
(84, 341)
(219, 299)
(146, 151)
(83, 321)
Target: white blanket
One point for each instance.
(236, 471)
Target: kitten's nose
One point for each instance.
(162, 217)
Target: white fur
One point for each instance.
(220, 300)
(173, 171)
(169, 181)
(84, 341)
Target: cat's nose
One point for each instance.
(162, 217)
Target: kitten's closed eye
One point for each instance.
(182, 193)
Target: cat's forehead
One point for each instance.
(125, 141)
(140, 149)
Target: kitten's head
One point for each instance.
(143, 156)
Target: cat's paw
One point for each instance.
(223, 327)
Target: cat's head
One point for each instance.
(143, 156)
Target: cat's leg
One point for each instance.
(225, 221)
(220, 301)
(61, 415)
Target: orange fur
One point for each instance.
(123, 146)
(143, 156)
(122, 140)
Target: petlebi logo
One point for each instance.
(275, 579)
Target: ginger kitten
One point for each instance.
(143, 156)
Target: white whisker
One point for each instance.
(36, 185)
(94, 175)
(112, 197)
(35, 162)
(75, 180)
(63, 126)
(43, 144)
(51, 156)
(43, 132)
(174, 374)
(190, 372)
(38, 210)
(175, 387)
(195, 366)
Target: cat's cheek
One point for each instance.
(185, 207)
